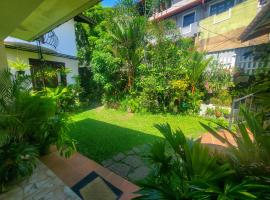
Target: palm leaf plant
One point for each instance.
(197, 65)
(186, 169)
(28, 125)
(127, 35)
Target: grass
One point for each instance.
(102, 133)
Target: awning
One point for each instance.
(259, 26)
(29, 19)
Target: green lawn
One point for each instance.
(102, 133)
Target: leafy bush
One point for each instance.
(131, 105)
(250, 156)
(28, 125)
(187, 170)
(134, 55)
(17, 161)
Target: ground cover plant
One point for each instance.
(102, 133)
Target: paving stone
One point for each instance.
(30, 189)
(130, 152)
(42, 185)
(119, 157)
(137, 149)
(120, 169)
(139, 173)
(133, 161)
(107, 163)
(15, 193)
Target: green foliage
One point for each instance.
(251, 155)
(19, 65)
(129, 54)
(188, 170)
(218, 83)
(28, 125)
(17, 160)
(217, 112)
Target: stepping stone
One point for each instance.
(120, 169)
(133, 161)
(107, 163)
(119, 157)
(137, 149)
(139, 173)
(130, 152)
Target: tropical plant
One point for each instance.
(17, 161)
(196, 66)
(28, 125)
(18, 65)
(250, 154)
(127, 35)
(186, 169)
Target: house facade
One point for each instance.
(216, 26)
(56, 49)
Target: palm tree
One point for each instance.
(127, 34)
(197, 65)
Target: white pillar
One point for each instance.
(3, 56)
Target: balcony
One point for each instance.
(189, 31)
(175, 8)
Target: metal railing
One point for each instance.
(246, 101)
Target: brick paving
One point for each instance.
(208, 138)
(72, 170)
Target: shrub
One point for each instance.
(28, 125)
(185, 169)
(17, 161)
(131, 105)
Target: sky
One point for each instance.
(109, 3)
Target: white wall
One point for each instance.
(13, 54)
(66, 37)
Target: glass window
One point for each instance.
(221, 7)
(189, 19)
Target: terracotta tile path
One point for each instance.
(72, 170)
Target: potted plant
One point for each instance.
(218, 112)
(19, 65)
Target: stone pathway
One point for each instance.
(43, 184)
(130, 164)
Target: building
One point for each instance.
(50, 21)
(57, 49)
(216, 26)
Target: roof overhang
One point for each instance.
(176, 8)
(259, 26)
(28, 20)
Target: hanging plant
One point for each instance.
(19, 65)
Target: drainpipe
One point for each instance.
(3, 56)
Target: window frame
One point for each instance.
(213, 3)
(188, 13)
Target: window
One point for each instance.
(38, 68)
(188, 19)
(221, 7)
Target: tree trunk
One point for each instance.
(130, 78)
(192, 89)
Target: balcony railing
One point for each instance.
(189, 31)
(169, 10)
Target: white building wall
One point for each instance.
(66, 37)
(72, 64)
